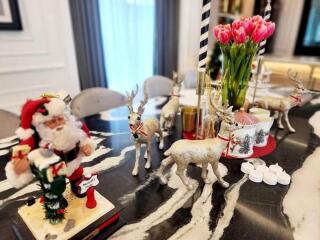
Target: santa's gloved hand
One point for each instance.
(20, 166)
(86, 149)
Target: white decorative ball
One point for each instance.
(270, 178)
(284, 178)
(246, 167)
(275, 168)
(256, 176)
(262, 168)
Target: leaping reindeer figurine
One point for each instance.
(142, 132)
(169, 111)
(282, 105)
(184, 152)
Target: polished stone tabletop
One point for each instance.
(246, 210)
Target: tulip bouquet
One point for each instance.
(239, 43)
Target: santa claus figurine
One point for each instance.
(47, 123)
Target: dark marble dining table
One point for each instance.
(245, 210)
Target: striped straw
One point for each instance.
(205, 19)
(266, 17)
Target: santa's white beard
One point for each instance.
(64, 139)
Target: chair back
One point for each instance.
(94, 100)
(156, 86)
(190, 79)
(9, 123)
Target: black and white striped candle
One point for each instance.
(205, 20)
(266, 17)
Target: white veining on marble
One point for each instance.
(302, 202)
(98, 152)
(109, 162)
(199, 224)
(315, 101)
(27, 189)
(130, 196)
(314, 122)
(7, 139)
(3, 152)
(108, 134)
(231, 197)
(166, 210)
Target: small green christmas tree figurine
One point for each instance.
(50, 171)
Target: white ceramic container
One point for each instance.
(242, 140)
(262, 130)
(259, 112)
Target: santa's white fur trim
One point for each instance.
(55, 107)
(16, 180)
(24, 134)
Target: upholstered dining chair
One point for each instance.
(94, 100)
(9, 122)
(190, 79)
(157, 86)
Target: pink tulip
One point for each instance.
(271, 26)
(222, 33)
(259, 33)
(248, 25)
(257, 20)
(239, 35)
(262, 31)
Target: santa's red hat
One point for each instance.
(35, 112)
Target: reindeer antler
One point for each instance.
(130, 98)
(294, 76)
(143, 103)
(177, 77)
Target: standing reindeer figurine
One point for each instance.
(282, 105)
(169, 111)
(184, 152)
(142, 132)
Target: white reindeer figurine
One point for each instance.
(142, 132)
(184, 152)
(282, 105)
(169, 111)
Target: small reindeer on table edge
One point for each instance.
(283, 105)
(142, 132)
(183, 152)
(169, 111)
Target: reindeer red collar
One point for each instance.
(143, 132)
(138, 130)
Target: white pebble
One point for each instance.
(284, 178)
(246, 167)
(256, 176)
(275, 168)
(270, 178)
(262, 168)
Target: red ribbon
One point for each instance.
(175, 95)
(138, 130)
(229, 140)
(296, 98)
(55, 169)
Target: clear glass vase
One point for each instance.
(237, 63)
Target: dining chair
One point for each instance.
(94, 100)
(190, 79)
(157, 86)
(9, 123)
